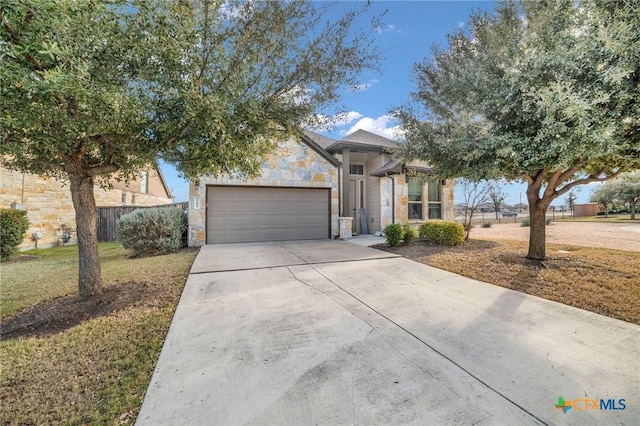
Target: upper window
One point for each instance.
(144, 182)
(415, 198)
(356, 169)
(435, 199)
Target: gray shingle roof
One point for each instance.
(323, 141)
(367, 138)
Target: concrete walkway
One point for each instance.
(327, 332)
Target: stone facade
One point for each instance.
(401, 213)
(293, 164)
(50, 208)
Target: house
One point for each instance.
(310, 185)
(50, 208)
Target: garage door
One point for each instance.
(243, 214)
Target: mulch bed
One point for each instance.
(59, 314)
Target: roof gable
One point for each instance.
(364, 137)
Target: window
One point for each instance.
(124, 198)
(144, 182)
(415, 198)
(133, 199)
(356, 169)
(435, 199)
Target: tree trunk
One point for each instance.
(537, 221)
(537, 231)
(633, 209)
(90, 279)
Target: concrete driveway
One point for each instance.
(328, 332)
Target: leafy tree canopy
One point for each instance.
(545, 92)
(97, 87)
(93, 88)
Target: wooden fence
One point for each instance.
(108, 218)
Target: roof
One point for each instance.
(311, 140)
(367, 138)
(322, 141)
(363, 141)
(392, 167)
(395, 167)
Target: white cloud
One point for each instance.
(321, 122)
(364, 86)
(385, 125)
(461, 24)
(390, 28)
(347, 118)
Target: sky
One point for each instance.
(408, 30)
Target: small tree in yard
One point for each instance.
(497, 197)
(542, 92)
(604, 194)
(93, 89)
(571, 200)
(627, 188)
(475, 193)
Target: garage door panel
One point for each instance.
(238, 214)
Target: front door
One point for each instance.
(356, 202)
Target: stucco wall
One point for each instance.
(50, 207)
(293, 164)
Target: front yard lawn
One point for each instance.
(71, 362)
(599, 280)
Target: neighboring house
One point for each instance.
(50, 208)
(307, 185)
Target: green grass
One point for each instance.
(96, 372)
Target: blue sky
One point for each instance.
(408, 31)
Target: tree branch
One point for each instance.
(591, 178)
(552, 183)
(103, 169)
(49, 165)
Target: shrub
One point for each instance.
(394, 233)
(486, 225)
(600, 214)
(13, 225)
(442, 232)
(525, 223)
(548, 221)
(410, 234)
(152, 231)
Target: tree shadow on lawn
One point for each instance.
(57, 315)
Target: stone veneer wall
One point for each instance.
(293, 164)
(401, 200)
(50, 207)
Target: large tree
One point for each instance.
(92, 90)
(628, 190)
(543, 92)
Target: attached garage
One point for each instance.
(255, 213)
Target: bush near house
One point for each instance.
(152, 231)
(442, 232)
(410, 234)
(13, 225)
(394, 233)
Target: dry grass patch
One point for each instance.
(71, 362)
(603, 281)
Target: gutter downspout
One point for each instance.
(340, 212)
